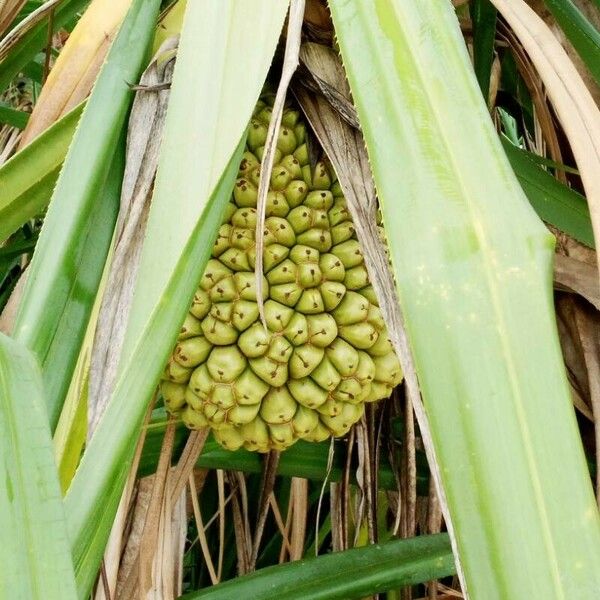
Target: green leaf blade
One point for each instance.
(12, 116)
(28, 178)
(36, 561)
(68, 262)
(483, 16)
(308, 460)
(553, 201)
(581, 33)
(355, 573)
(473, 269)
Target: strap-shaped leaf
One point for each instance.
(35, 561)
(69, 259)
(552, 200)
(308, 460)
(355, 573)
(12, 116)
(581, 33)
(483, 16)
(28, 178)
(472, 264)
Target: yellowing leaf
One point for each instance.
(77, 66)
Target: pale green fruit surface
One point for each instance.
(326, 351)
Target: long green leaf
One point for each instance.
(69, 440)
(34, 553)
(12, 116)
(17, 248)
(28, 178)
(69, 259)
(553, 201)
(545, 162)
(355, 573)
(36, 38)
(581, 33)
(472, 264)
(483, 16)
(96, 488)
(308, 460)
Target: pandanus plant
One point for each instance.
(221, 241)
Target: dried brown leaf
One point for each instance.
(9, 9)
(588, 323)
(577, 276)
(322, 493)
(317, 14)
(241, 524)
(573, 352)
(434, 525)
(129, 561)
(23, 27)
(222, 502)
(290, 62)
(143, 146)
(337, 516)
(547, 142)
(201, 532)
(299, 505)
(408, 475)
(152, 527)
(592, 13)
(179, 529)
(364, 477)
(163, 565)
(111, 561)
(137, 575)
(269, 474)
(279, 522)
(187, 461)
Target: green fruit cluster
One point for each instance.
(325, 352)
